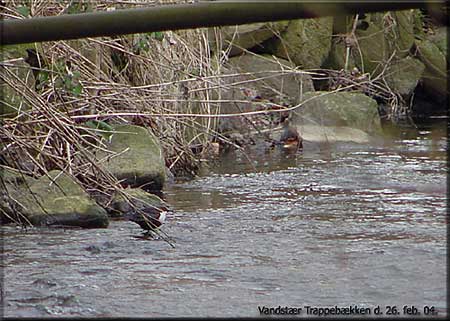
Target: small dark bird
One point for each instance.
(148, 219)
(35, 60)
(290, 138)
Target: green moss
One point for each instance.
(386, 34)
(305, 41)
(71, 211)
(401, 37)
(346, 109)
(58, 201)
(440, 39)
(11, 99)
(140, 161)
(435, 74)
(403, 75)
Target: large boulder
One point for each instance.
(306, 42)
(400, 31)
(339, 58)
(53, 200)
(259, 79)
(341, 109)
(403, 75)
(13, 176)
(243, 37)
(371, 50)
(277, 79)
(434, 78)
(379, 36)
(139, 161)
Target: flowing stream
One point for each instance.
(343, 225)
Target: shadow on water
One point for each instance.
(334, 225)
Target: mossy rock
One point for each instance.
(306, 42)
(435, 75)
(11, 99)
(140, 162)
(379, 36)
(57, 200)
(261, 79)
(12, 183)
(245, 36)
(440, 39)
(388, 33)
(56, 184)
(332, 134)
(418, 23)
(403, 75)
(77, 211)
(337, 57)
(401, 36)
(372, 45)
(342, 109)
(12, 176)
(284, 87)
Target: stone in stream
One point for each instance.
(326, 117)
(53, 200)
(342, 116)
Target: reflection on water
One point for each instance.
(343, 225)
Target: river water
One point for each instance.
(342, 225)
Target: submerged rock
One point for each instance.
(56, 200)
(139, 161)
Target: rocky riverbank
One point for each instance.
(94, 129)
